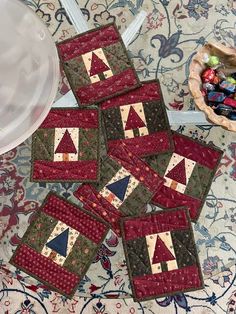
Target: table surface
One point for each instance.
(182, 27)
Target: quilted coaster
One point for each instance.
(188, 172)
(66, 146)
(161, 255)
(140, 120)
(126, 185)
(60, 245)
(97, 65)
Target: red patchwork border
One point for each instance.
(202, 154)
(148, 91)
(83, 43)
(45, 269)
(74, 217)
(119, 82)
(149, 224)
(144, 145)
(185, 279)
(71, 118)
(137, 167)
(98, 205)
(169, 198)
(84, 169)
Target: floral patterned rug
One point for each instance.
(171, 34)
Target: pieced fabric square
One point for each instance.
(139, 119)
(60, 245)
(97, 65)
(126, 185)
(160, 254)
(188, 174)
(66, 146)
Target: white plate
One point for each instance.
(29, 73)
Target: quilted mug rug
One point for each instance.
(188, 174)
(97, 65)
(139, 119)
(161, 255)
(60, 245)
(126, 185)
(66, 146)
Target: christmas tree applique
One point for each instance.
(66, 146)
(178, 174)
(118, 188)
(59, 244)
(161, 252)
(98, 67)
(134, 122)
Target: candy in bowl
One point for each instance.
(212, 83)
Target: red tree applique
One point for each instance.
(133, 121)
(97, 65)
(66, 145)
(178, 173)
(161, 252)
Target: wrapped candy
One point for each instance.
(216, 97)
(226, 111)
(231, 80)
(219, 91)
(213, 61)
(227, 87)
(233, 75)
(205, 57)
(223, 110)
(216, 80)
(221, 75)
(230, 102)
(208, 86)
(232, 116)
(208, 76)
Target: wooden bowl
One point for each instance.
(228, 58)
